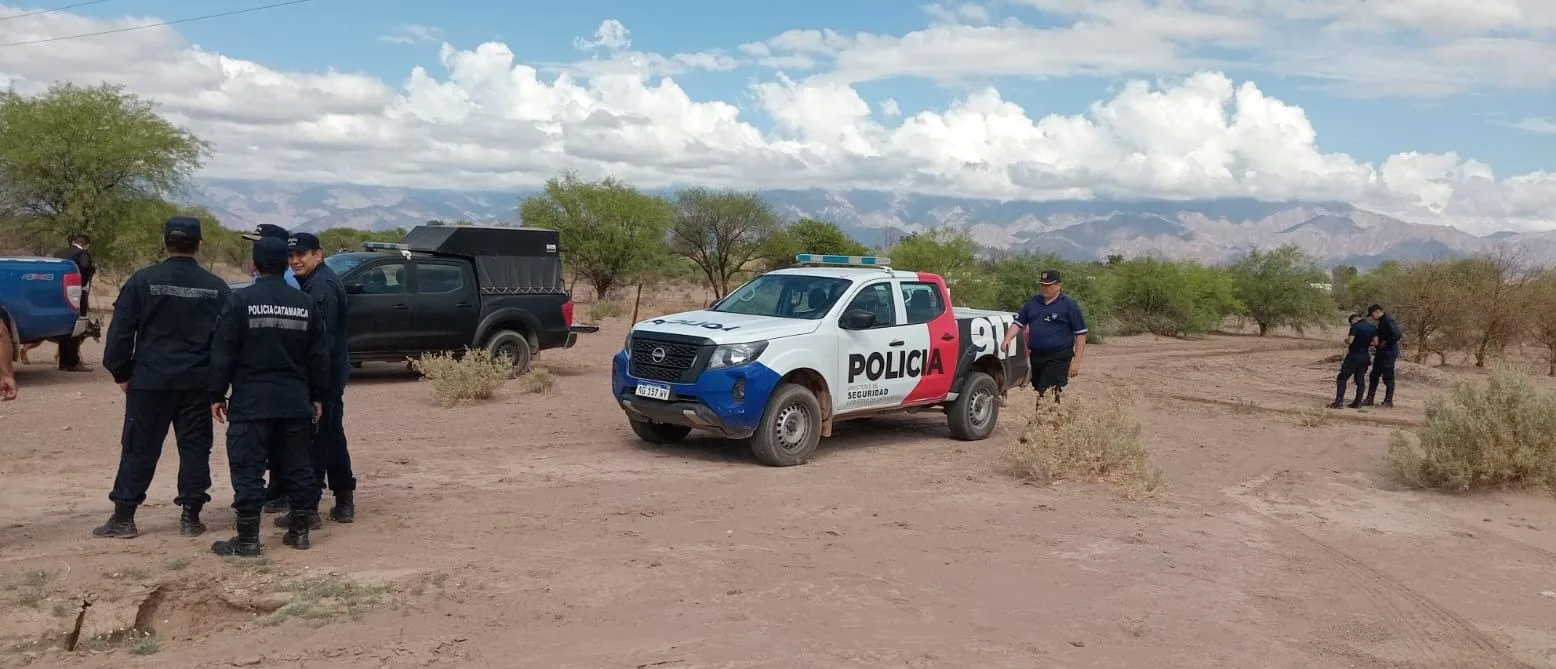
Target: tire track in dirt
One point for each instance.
(1436, 636)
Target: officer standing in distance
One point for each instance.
(1358, 355)
(331, 459)
(159, 352)
(1384, 358)
(1056, 336)
(80, 253)
(272, 351)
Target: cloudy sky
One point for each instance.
(1435, 110)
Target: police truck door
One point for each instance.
(872, 361)
(446, 305)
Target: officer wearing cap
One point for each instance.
(159, 352)
(267, 230)
(272, 351)
(1056, 336)
(331, 459)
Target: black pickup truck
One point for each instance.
(448, 287)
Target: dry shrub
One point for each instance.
(462, 378)
(604, 309)
(1087, 439)
(1498, 433)
(538, 380)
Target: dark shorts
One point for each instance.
(1050, 369)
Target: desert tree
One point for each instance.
(1492, 287)
(1276, 289)
(1170, 298)
(611, 233)
(724, 233)
(1541, 294)
(93, 160)
(953, 255)
(809, 235)
(1426, 299)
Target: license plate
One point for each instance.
(653, 391)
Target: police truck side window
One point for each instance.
(876, 299)
(439, 278)
(923, 301)
(385, 280)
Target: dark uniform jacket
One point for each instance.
(1363, 332)
(270, 349)
(1389, 335)
(160, 336)
(324, 286)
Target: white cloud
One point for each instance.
(480, 120)
(412, 33)
(1536, 124)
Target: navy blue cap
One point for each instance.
(304, 241)
(1048, 276)
(270, 254)
(187, 227)
(266, 230)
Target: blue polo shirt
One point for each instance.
(1362, 333)
(1053, 326)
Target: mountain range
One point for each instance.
(1211, 231)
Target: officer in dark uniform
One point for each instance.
(272, 351)
(331, 460)
(1056, 336)
(1358, 355)
(1387, 354)
(80, 253)
(159, 352)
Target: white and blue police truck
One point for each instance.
(790, 353)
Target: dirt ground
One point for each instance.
(535, 531)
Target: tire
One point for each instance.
(511, 345)
(790, 428)
(659, 433)
(974, 413)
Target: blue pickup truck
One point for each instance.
(42, 298)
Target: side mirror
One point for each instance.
(354, 289)
(858, 319)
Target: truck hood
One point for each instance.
(724, 328)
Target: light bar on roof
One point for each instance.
(384, 246)
(847, 261)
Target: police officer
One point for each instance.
(1387, 354)
(272, 351)
(1358, 356)
(1056, 336)
(80, 253)
(159, 352)
(331, 460)
(275, 496)
(269, 230)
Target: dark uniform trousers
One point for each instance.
(147, 416)
(331, 458)
(1353, 367)
(253, 444)
(1383, 368)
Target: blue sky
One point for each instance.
(345, 34)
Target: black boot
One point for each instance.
(1356, 403)
(1388, 402)
(345, 509)
(121, 525)
(189, 524)
(297, 536)
(314, 521)
(278, 505)
(245, 544)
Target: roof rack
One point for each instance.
(821, 259)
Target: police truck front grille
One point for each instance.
(671, 362)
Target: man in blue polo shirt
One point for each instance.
(1056, 336)
(278, 232)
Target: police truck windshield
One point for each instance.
(785, 296)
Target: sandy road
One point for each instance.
(536, 532)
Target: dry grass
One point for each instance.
(538, 380)
(1500, 432)
(607, 309)
(1317, 417)
(1087, 439)
(464, 378)
(325, 598)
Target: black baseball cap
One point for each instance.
(270, 254)
(187, 227)
(266, 230)
(1048, 276)
(1375, 307)
(303, 241)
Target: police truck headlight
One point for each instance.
(626, 345)
(730, 355)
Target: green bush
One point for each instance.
(1498, 433)
(1276, 289)
(1171, 299)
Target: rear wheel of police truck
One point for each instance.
(790, 428)
(510, 347)
(974, 413)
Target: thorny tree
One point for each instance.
(724, 233)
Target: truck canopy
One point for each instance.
(509, 260)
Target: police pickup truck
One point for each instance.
(792, 352)
(42, 299)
